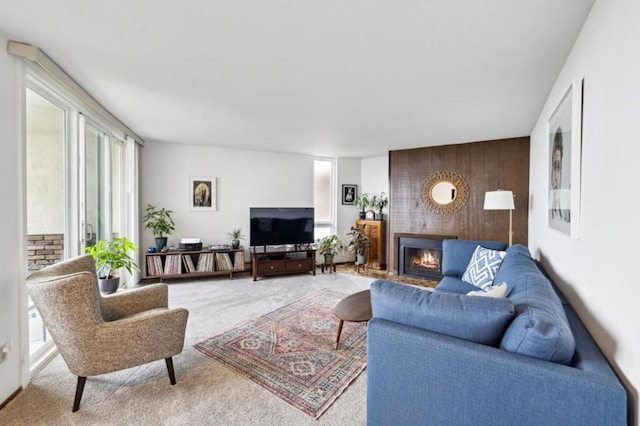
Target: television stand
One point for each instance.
(282, 261)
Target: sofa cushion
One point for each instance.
(539, 328)
(455, 285)
(477, 319)
(483, 266)
(457, 253)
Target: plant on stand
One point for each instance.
(236, 236)
(110, 257)
(329, 246)
(160, 222)
(379, 202)
(359, 244)
(362, 202)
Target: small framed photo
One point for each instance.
(203, 194)
(349, 193)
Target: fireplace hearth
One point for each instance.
(420, 256)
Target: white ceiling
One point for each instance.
(347, 78)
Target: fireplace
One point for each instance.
(420, 256)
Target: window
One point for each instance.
(323, 197)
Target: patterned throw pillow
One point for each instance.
(483, 267)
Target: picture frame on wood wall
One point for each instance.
(565, 158)
(202, 192)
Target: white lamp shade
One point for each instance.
(498, 200)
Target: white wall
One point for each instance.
(597, 272)
(375, 176)
(12, 247)
(244, 179)
(348, 173)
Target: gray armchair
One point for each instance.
(100, 334)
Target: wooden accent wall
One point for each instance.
(487, 166)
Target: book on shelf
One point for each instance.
(223, 262)
(188, 263)
(205, 262)
(173, 264)
(238, 261)
(154, 266)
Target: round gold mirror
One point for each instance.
(445, 192)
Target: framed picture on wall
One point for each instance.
(349, 193)
(202, 192)
(565, 150)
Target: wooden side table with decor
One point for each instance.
(376, 230)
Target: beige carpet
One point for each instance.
(206, 393)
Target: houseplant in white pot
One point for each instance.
(110, 257)
(160, 222)
(329, 246)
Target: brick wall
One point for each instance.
(44, 249)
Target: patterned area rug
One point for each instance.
(290, 352)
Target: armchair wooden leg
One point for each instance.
(79, 389)
(172, 376)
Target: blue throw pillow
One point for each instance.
(482, 267)
(477, 319)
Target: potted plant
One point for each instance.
(379, 202)
(362, 202)
(329, 247)
(236, 236)
(359, 244)
(110, 257)
(160, 222)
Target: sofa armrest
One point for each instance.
(130, 302)
(415, 376)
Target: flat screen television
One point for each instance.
(271, 226)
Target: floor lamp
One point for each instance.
(501, 200)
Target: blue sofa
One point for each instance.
(445, 358)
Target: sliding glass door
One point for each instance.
(101, 191)
(74, 187)
(45, 197)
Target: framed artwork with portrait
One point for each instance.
(349, 194)
(202, 192)
(565, 147)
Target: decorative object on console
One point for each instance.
(110, 257)
(362, 202)
(236, 236)
(203, 194)
(160, 222)
(565, 143)
(445, 192)
(501, 200)
(483, 267)
(349, 194)
(379, 202)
